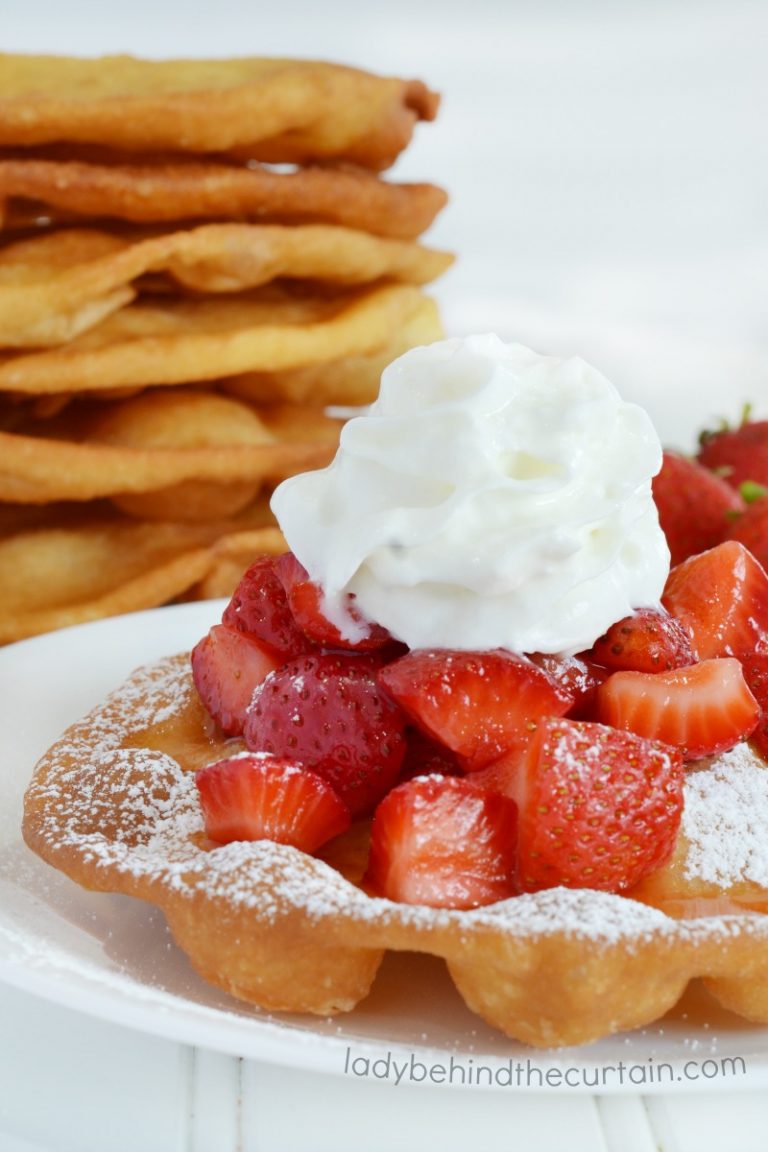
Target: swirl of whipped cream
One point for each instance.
(490, 498)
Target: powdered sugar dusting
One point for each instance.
(135, 810)
(725, 819)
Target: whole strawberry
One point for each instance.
(738, 454)
(695, 506)
(328, 712)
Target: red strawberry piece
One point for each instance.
(477, 704)
(267, 798)
(259, 608)
(425, 757)
(597, 808)
(437, 840)
(503, 774)
(227, 666)
(751, 530)
(738, 454)
(721, 599)
(305, 600)
(695, 506)
(648, 641)
(701, 710)
(755, 668)
(578, 675)
(328, 711)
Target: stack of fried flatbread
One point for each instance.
(196, 258)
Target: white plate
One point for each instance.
(112, 956)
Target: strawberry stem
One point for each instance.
(751, 491)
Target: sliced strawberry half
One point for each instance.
(259, 609)
(227, 666)
(577, 675)
(596, 808)
(700, 710)
(477, 704)
(721, 599)
(305, 601)
(267, 798)
(649, 640)
(438, 840)
(328, 711)
(695, 506)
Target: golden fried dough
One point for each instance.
(351, 380)
(267, 109)
(232, 555)
(95, 563)
(169, 455)
(171, 341)
(171, 191)
(113, 804)
(68, 280)
(196, 256)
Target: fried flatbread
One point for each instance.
(267, 109)
(113, 804)
(170, 341)
(69, 567)
(170, 191)
(352, 380)
(197, 454)
(56, 285)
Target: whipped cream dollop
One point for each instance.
(490, 498)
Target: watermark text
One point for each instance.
(526, 1074)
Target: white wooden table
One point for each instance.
(70, 1083)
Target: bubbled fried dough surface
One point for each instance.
(113, 804)
(189, 190)
(262, 109)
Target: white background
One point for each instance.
(607, 162)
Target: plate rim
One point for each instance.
(189, 1022)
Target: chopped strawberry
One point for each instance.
(597, 808)
(578, 675)
(478, 704)
(755, 668)
(305, 602)
(695, 506)
(703, 709)
(740, 454)
(751, 530)
(227, 666)
(425, 757)
(259, 608)
(648, 641)
(503, 774)
(328, 711)
(437, 840)
(721, 599)
(266, 798)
